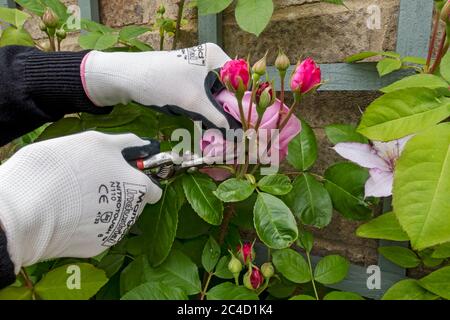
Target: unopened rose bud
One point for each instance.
(246, 252)
(267, 270)
(50, 18)
(260, 66)
(306, 77)
(42, 26)
(445, 12)
(161, 10)
(253, 278)
(264, 97)
(235, 266)
(235, 75)
(61, 34)
(282, 62)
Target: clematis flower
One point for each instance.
(253, 279)
(246, 252)
(269, 121)
(307, 76)
(380, 158)
(235, 72)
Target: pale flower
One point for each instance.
(380, 158)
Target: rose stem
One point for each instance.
(311, 274)
(432, 40)
(178, 26)
(443, 47)
(280, 112)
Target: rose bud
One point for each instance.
(235, 266)
(267, 270)
(264, 97)
(235, 75)
(42, 26)
(282, 62)
(306, 77)
(161, 10)
(61, 34)
(50, 18)
(445, 12)
(246, 252)
(253, 279)
(260, 67)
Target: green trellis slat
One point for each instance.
(414, 28)
(90, 9)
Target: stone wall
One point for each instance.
(303, 28)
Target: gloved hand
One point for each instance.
(73, 196)
(172, 81)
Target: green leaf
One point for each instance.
(291, 265)
(338, 133)
(408, 290)
(445, 66)
(415, 60)
(206, 7)
(302, 150)
(119, 116)
(222, 271)
(111, 264)
(13, 36)
(274, 222)
(199, 189)
(302, 297)
(63, 127)
(98, 40)
(254, 15)
(342, 295)
(385, 226)
(234, 190)
(422, 186)
(305, 240)
(310, 201)
(59, 8)
(190, 225)
(56, 285)
(211, 254)
(130, 32)
(14, 17)
(276, 184)
(159, 223)
(178, 271)
(361, 56)
(345, 184)
(401, 256)
(331, 269)
(438, 282)
(388, 65)
(229, 291)
(140, 45)
(403, 112)
(93, 26)
(428, 260)
(15, 293)
(36, 7)
(442, 251)
(417, 81)
(155, 291)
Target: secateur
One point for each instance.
(161, 166)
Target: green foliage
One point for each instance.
(229, 291)
(291, 265)
(438, 282)
(155, 291)
(331, 269)
(338, 133)
(234, 190)
(274, 222)
(55, 285)
(211, 255)
(385, 226)
(254, 15)
(15, 293)
(408, 290)
(310, 201)
(345, 184)
(422, 186)
(403, 112)
(199, 190)
(401, 256)
(417, 81)
(303, 149)
(341, 295)
(276, 184)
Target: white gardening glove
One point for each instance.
(72, 197)
(171, 81)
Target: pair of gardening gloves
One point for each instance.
(76, 196)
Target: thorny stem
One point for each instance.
(288, 116)
(311, 274)
(51, 39)
(241, 114)
(280, 112)
(205, 288)
(432, 40)
(178, 25)
(28, 282)
(252, 99)
(225, 223)
(443, 47)
(161, 39)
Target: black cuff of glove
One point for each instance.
(7, 276)
(53, 80)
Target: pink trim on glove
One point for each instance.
(83, 78)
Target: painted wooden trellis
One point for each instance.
(414, 28)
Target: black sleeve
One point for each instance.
(7, 276)
(39, 87)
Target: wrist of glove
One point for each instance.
(71, 197)
(172, 81)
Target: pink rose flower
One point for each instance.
(306, 76)
(246, 252)
(253, 279)
(233, 72)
